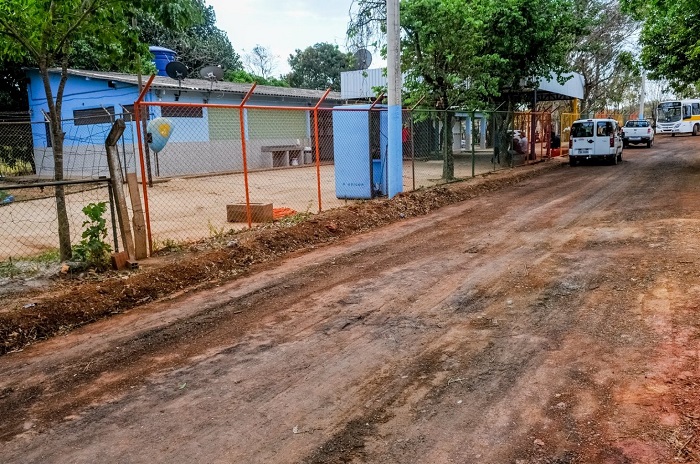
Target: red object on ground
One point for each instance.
(279, 213)
(556, 152)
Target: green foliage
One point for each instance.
(318, 67)
(294, 219)
(472, 54)
(216, 232)
(45, 33)
(669, 40)
(8, 269)
(30, 265)
(246, 77)
(167, 245)
(93, 249)
(200, 45)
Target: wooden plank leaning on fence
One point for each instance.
(137, 219)
(115, 174)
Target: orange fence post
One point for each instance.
(249, 215)
(317, 145)
(139, 135)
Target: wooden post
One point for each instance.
(115, 174)
(139, 223)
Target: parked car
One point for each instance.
(595, 139)
(637, 131)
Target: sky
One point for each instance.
(282, 26)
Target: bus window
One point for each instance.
(696, 109)
(686, 112)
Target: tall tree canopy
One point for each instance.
(472, 53)
(474, 49)
(318, 67)
(44, 34)
(201, 45)
(198, 45)
(260, 61)
(602, 55)
(669, 40)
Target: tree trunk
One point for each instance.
(57, 137)
(64, 243)
(448, 166)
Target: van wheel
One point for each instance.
(649, 144)
(572, 161)
(695, 129)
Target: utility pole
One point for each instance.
(395, 122)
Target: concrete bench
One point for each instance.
(282, 154)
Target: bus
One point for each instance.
(678, 117)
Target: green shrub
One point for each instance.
(92, 249)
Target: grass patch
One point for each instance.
(28, 266)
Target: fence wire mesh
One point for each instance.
(28, 219)
(285, 160)
(16, 149)
(202, 164)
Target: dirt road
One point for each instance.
(554, 321)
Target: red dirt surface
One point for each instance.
(545, 315)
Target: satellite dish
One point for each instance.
(176, 70)
(363, 58)
(212, 73)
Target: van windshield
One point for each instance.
(582, 129)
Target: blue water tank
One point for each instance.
(161, 57)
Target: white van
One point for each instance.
(595, 138)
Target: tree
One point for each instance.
(198, 46)
(260, 61)
(201, 44)
(44, 33)
(669, 40)
(474, 53)
(318, 67)
(602, 54)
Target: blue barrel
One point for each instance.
(161, 57)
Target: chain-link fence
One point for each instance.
(203, 164)
(214, 160)
(16, 149)
(28, 218)
(26, 148)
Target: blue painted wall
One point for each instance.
(80, 94)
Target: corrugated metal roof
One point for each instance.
(204, 85)
(359, 84)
